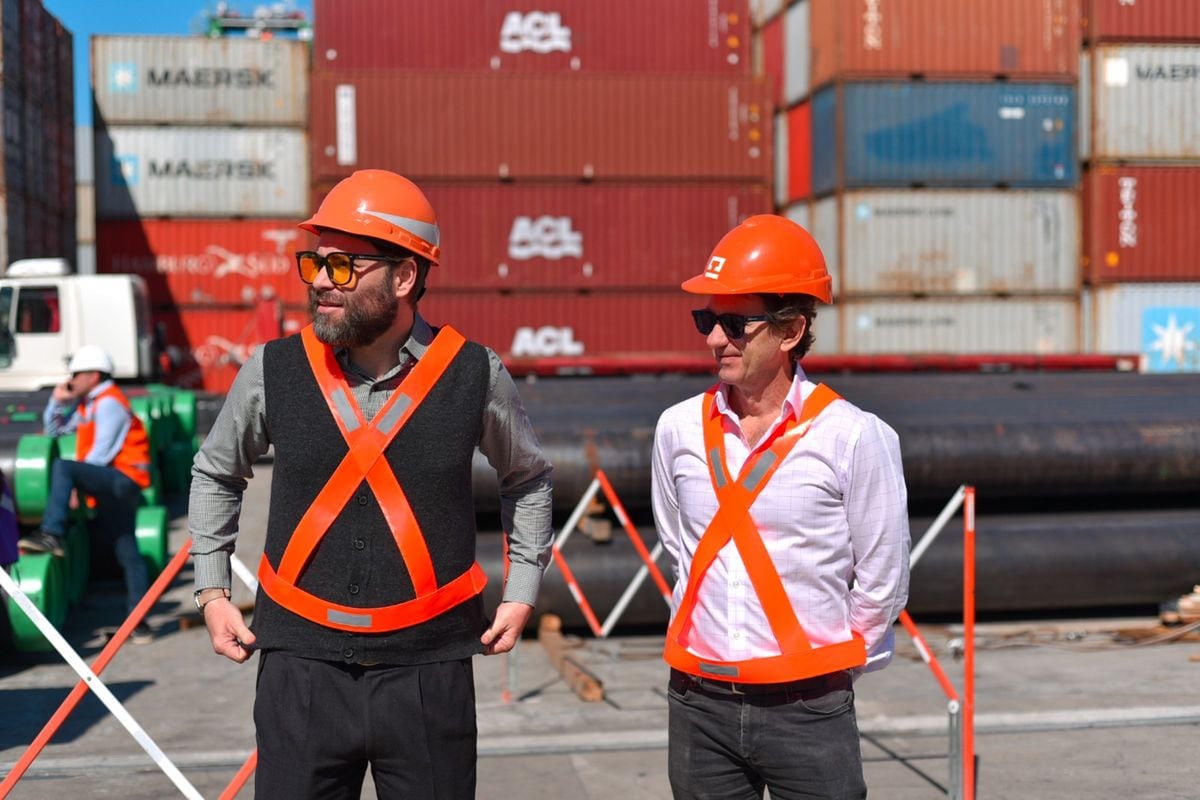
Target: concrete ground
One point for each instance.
(1063, 711)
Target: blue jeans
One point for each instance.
(801, 742)
(117, 501)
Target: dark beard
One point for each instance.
(365, 317)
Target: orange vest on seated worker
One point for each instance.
(134, 457)
(797, 658)
(365, 461)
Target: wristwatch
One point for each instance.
(205, 596)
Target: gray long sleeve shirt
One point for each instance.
(239, 437)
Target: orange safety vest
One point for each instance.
(798, 658)
(134, 457)
(365, 460)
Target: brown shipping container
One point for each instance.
(482, 126)
(944, 38)
(206, 262)
(1141, 224)
(580, 237)
(1142, 20)
(509, 36)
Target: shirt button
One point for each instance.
(348, 653)
(737, 634)
(362, 499)
(353, 588)
(359, 544)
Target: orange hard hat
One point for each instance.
(766, 254)
(380, 205)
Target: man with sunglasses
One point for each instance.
(369, 607)
(784, 511)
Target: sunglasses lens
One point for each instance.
(705, 320)
(733, 325)
(340, 268)
(309, 266)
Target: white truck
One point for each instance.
(47, 313)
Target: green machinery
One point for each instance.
(54, 584)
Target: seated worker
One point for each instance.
(112, 466)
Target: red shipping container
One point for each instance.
(1140, 224)
(509, 36)
(482, 126)
(207, 346)
(1142, 21)
(799, 145)
(206, 262)
(504, 236)
(772, 47)
(944, 38)
(572, 324)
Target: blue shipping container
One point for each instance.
(944, 134)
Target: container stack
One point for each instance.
(202, 173)
(1141, 76)
(582, 162)
(85, 201)
(37, 182)
(930, 147)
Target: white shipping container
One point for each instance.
(762, 11)
(85, 213)
(1159, 321)
(198, 80)
(781, 159)
(827, 331)
(1145, 101)
(799, 213)
(1018, 325)
(951, 242)
(85, 258)
(201, 172)
(795, 54)
(85, 170)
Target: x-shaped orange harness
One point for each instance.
(365, 460)
(798, 658)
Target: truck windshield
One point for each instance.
(37, 310)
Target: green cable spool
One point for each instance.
(79, 559)
(183, 405)
(40, 576)
(177, 468)
(151, 496)
(65, 447)
(31, 476)
(151, 532)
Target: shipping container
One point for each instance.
(14, 139)
(201, 172)
(1145, 102)
(1020, 39)
(799, 151)
(950, 242)
(1142, 20)
(85, 258)
(943, 134)
(1161, 321)
(782, 157)
(569, 36)
(507, 236)
(1014, 325)
(486, 126)
(763, 11)
(10, 45)
(770, 57)
(196, 80)
(206, 262)
(795, 53)
(1142, 223)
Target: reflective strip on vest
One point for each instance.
(367, 443)
(133, 459)
(797, 659)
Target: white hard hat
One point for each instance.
(90, 358)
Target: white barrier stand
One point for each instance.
(97, 686)
(244, 574)
(936, 528)
(627, 597)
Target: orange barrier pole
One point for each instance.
(106, 655)
(239, 780)
(619, 510)
(927, 655)
(577, 593)
(968, 720)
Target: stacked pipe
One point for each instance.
(203, 172)
(582, 161)
(1141, 139)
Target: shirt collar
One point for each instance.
(100, 387)
(419, 339)
(791, 405)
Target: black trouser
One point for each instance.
(320, 723)
(798, 740)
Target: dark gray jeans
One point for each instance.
(799, 743)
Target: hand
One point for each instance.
(227, 630)
(62, 393)
(510, 621)
(74, 501)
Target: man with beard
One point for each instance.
(369, 607)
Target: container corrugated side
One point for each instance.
(567, 36)
(943, 134)
(1161, 321)
(201, 172)
(629, 127)
(795, 53)
(799, 149)
(1142, 20)
(1017, 39)
(1145, 101)
(763, 11)
(952, 242)
(772, 55)
(782, 150)
(196, 80)
(1142, 223)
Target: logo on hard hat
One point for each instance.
(714, 267)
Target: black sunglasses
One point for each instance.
(339, 266)
(734, 325)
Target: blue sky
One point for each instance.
(84, 18)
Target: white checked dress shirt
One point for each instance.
(834, 519)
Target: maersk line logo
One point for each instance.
(1171, 339)
(123, 77)
(126, 170)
